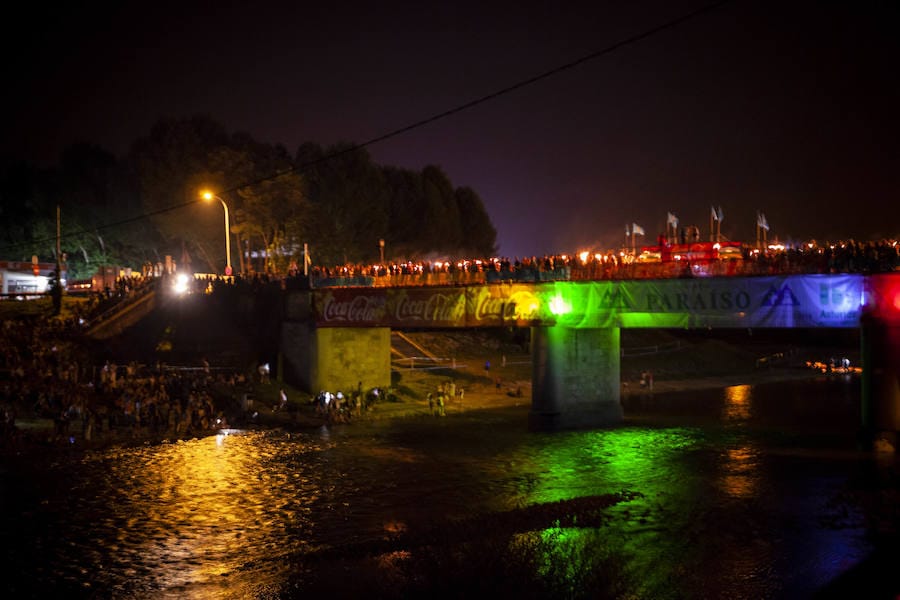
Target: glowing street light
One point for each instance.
(209, 196)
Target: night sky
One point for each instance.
(789, 108)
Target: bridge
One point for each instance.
(334, 337)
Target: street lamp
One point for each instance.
(209, 196)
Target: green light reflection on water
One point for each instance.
(626, 552)
(618, 459)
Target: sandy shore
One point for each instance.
(479, 395)
(485, 396)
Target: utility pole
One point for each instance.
(306, 262)
(57, 287)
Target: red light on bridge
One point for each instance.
(885, 288)
(892, 296)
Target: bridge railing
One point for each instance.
(426, 363)
(572, 272)
(650, 350)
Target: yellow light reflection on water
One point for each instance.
(204, 508)
(740, 475)
(737, 403)
(201, 475)
(740, 468)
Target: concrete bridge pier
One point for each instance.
(575, 378)
(880, 350)
(335, 359)
(880, 385)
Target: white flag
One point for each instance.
(720, 216)
(715, 215)
(672, 220)
(761, 221)
(637, 229)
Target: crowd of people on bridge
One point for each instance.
(848, 256)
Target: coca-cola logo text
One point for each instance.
(357, 309)
(432, 307)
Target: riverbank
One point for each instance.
(486, 397)
(40, 434)
(490, 371)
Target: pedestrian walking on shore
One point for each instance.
(282, 401)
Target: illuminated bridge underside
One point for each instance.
(733, 302)
(330, 344)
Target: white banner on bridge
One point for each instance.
(787, 301)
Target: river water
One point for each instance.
(742, 492)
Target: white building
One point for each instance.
(19, 278)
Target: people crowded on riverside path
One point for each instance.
(50, 377)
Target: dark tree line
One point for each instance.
(145, 206)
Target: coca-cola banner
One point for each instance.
(504, 304)
(350, 306)
(391, 307)
(472, 306)
(786, 301)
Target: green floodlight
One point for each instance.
(559, 307)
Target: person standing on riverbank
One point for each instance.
(282, 400)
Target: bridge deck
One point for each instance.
(782, 301)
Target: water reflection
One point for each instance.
(646, 461)
(740, 460)
(192, 512)
(737, 403)
(740, 472)
(705, 505)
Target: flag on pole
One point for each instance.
(761, 221)
(720, 216)
(307, 261)
(637, 229)
(672, 220)
(715, 215)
